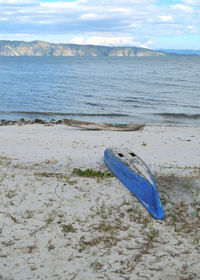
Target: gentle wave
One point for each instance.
(62, 114)
(179, 115)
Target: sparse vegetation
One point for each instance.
(174, 219)
(68, 228)
(5, 161)
(51, 247)
(90, 173)
(153, 234)
(58, 176)
(102, 223)
(49, 174)
(29, 214)
(1, 229)
(107, 227)
(97, 265)
(51, 217)
(11, 194)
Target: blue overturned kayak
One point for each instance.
(132, 171)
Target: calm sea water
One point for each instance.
(154, 90)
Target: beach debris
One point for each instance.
(23, 121)
(103, 126)
(76, 123)
(186, 140)
(53, 160)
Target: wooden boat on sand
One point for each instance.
(131, 170)
(103, 126)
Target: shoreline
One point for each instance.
(152, 143)
(57, 225)
(22, 121)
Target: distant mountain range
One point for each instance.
(40, 48)
(180, 52)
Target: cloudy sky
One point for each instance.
(147, 23)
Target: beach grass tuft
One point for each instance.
(90, 173)
(68, 228)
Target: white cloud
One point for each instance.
(9, 13)
(3, 19)
(89, 16)
(192, 28)
(110, 40)
(147, 44)
(121, 10)
(191, 2)
(114, 22)
(77, 40)
(165, 18)
(183, 8)
(17, 2)
(58, 5)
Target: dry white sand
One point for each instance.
(54, 225)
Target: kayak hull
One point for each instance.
(142, 187)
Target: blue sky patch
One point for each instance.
(158, 24)
(168, 2)
(184, 41)
(57, 1)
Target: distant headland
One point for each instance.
(40, 48)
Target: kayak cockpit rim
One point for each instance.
(134, 162)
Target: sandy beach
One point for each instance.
(58, 225)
